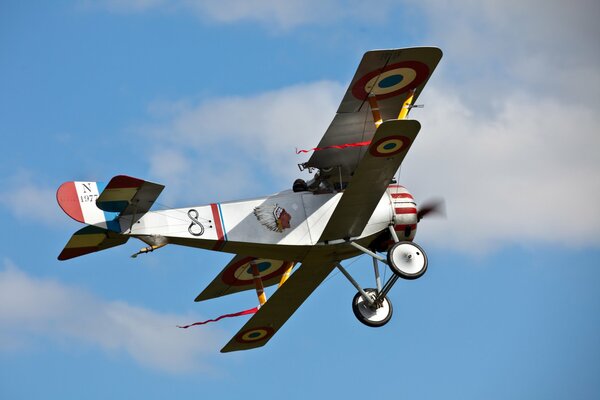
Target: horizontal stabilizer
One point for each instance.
(90, 240)
(128, 196)
(237, 276)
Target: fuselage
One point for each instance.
(281, 226)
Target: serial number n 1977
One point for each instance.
(88, 198)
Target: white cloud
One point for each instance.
(269, 13)
(233, 142)
(31, 308)
(29, 200)
(492, 48)
(528, 173)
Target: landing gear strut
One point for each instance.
(406, 260)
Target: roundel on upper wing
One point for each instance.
(255, 334)
(389, 146)
(391, 81)
(240, 273)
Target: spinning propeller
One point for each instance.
(432, 207)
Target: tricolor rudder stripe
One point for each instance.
(78, 201)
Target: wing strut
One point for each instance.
(407, 105)
(287, 273)
(260, 289)
(404, 110)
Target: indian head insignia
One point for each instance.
(273, 217)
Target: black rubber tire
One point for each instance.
(399, 272)
(361, 317)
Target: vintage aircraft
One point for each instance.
(352, 206)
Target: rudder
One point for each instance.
(78, 201)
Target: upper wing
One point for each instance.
(282, 304)
(389, 75)
(237, 276)
(372, 177)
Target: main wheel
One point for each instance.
(375, 315)
(407, 260)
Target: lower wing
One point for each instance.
(282, 304)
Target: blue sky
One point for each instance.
(210, 98)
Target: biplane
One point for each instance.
(352, 205)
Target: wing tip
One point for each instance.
(432, 49)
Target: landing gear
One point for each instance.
(373, 315)
(406, 260)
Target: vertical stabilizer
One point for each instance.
(78, 201)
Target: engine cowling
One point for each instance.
(404, 209)
(404, 218)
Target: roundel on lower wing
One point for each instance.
(255, 334)
(389, 146)
(240, 273)
(391, 81)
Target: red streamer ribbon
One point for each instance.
(336, 146)
(237, 314)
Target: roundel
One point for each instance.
(240, 273)
(391, 81)
(389, 146)
(255, 334)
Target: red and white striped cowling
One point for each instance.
(405, 212)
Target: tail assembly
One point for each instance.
(102, 207)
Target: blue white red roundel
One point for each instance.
(389, 146)
(240, 273)
(391, 81)
(255, 334)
